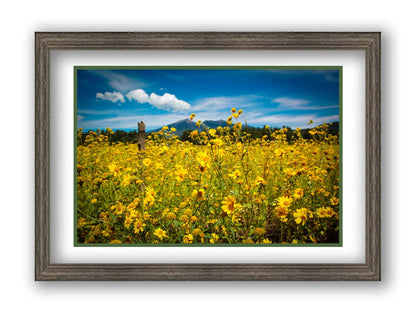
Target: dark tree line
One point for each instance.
(258, 133)
(255, 133)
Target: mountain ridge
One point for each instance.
(187, 124)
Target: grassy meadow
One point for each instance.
(228, 188)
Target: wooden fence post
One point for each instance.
(141, 139)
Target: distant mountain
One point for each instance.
(180, 126)
(187, 124)
(213, 124)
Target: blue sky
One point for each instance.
(119, 98)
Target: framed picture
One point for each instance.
(207, 156)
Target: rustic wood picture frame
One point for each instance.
(47, 41)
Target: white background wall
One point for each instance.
(19, 20)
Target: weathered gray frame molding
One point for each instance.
(44, 42)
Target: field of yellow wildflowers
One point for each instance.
(228, 189)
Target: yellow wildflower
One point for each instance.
(171, 216)
(284, 201)
(160, 233)
(334, 201)
(187, 212)
(281, 212)
(279, 152)
(212, 132)
(298, 193)
(197, 232)
(235, 174)
(118, 208)
(301, 215)
(139, 226)
(114, 170)
(126, 180)
(325, 212)
(198, 193)
(229, 205)
(188, 239)
(105, 233)
(259, 231)
(180, 173)
(214, 238)
(237, 126)
(81, 222)
(184, 218)
(260, 181)
(128, 221)
(147, 162)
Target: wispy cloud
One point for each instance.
(97, 111)
(300, 121)
(111, 96)
(287, 103)
(119, 82)
(290, 102)
(225, 103)
(130, 122)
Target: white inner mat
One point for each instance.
(62, 160)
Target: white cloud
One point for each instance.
(290, 102)
(168, 102)
(111, 96)
(139, 95)
(79, 117)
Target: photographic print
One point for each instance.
(208, 156)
